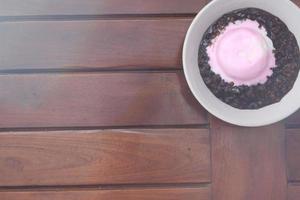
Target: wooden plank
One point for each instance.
(294, 120)
(104, 157)
(141, 194)
(294, 192)
(293, 154)
(97, 44)
(103, 7)
(248, 163)
(97, 99)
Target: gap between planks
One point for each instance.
(95, 17)
(104, 187)
(82, 70)
(292, 126)
(88, 128)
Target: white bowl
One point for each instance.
(286, 11)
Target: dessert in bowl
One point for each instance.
(249, 58)
(241, 60)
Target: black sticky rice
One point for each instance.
(278, 84)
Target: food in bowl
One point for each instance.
(249, 58)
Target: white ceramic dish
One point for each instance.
(286, 11)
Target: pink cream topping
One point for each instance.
(242, 54)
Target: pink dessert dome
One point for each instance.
(242, 54)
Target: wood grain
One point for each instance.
(141, 194)
(103, 7)
(294, 192)
(248, 163)
(96, 44)
(97, 99)
(104, 157)
(293, 154)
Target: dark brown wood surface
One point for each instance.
(105, 157)
(294, 120)
(93, 7)
(293, 154)
(293, 192)
(97, 99)
(248, 164)
(97, 44)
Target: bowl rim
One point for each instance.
(210, 109)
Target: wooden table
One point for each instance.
(94, 105)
